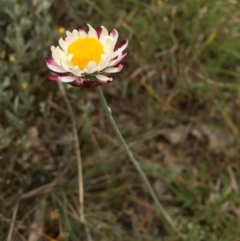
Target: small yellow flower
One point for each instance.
(159, 2)
(61, 30)
(11, 58)
(24, 86)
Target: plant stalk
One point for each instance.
(108, 113)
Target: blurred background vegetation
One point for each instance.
(177, 102)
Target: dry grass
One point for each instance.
(177, 104)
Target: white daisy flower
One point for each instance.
(87, 59)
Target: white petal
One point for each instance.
(114, 69)
(108, 53)
(103, 78)
(75, 34)
(92, 32)
(62, 44)
(104, 62)
(117, 60)
(54, 50)
(70, 37)
(76, 71)
(65, 65)
(91, 67)
(109, 45)
(114, 34)
(58, 54)
(68, 33)
(57, 69)
(82, 34)
(103, 35)
(117, 53)
(121, 49)
(69, 59)
(67, 78)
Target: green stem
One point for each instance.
(108, 112)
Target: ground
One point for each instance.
(176, 102)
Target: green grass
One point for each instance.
(181, 78)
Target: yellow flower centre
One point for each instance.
(85, 50)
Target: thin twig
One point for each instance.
(78, 153)
(15, 210)
(134, 162)
(79, 161)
